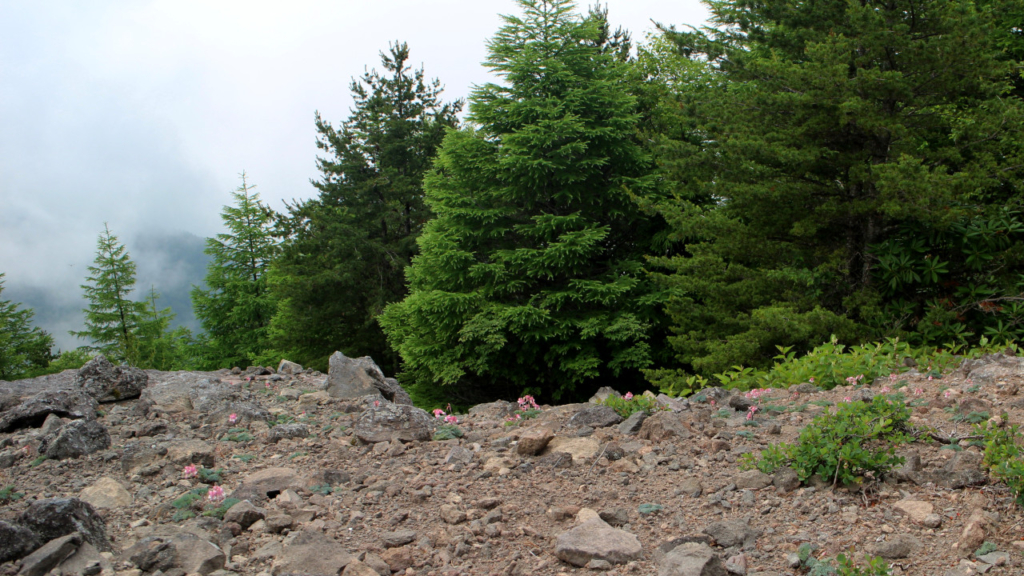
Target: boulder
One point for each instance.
(288, 367)
(596, 539)
(993, 368)
(106, 493)
(182, 392)
(86, 561)
(180, 549)
(633, 424)
(387, 421)
(579, 448)
(357, 377)
(786, 479)
(596, 417)
(244, 514)
(32, 413)
(533, 440)
(75, 439)
(15, 541)
(692, 559)
(752, 480)
(736, 532)
(662, 426)
(56, 517)
(603, 393)
(899, 546)
(287, 431)
(309, 552)
(397, 538)
(50, 555)
(916, 510)
(108, 383)
(265, 484)
(498, 410)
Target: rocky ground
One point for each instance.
(110, 472)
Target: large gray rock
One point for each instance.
(288, 367)
(287, 431)
(993, 368)
(15, 541)
(106, 493)
(244, 514)
(75, 439)
(596, 539)
(358, 377)
(388, 421)
(596, 417)
(265, 484)
(32, 413)
(733, 533)
(662, 426)
(178, 392)
(50, 555)
(108, 383)
(692, 559)
(633, 424)
(56, 517)
(183, 550)
(309, 552)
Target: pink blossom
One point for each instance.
(893, 377)
(233, 418)
(376, 403)
(451, 419)
(750, 413)
(885, 390)
(811, 379)
(918, 391)
(528, 403)
(628, 396)
(847, 399)
(947, 393)
(930, 378)
(438, 413)
(216, 494)
(190, 471)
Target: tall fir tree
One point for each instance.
(112, 317)
(347, 249)
(236, 305)
(848, 168)
(24, 348)
(160, 346)
(531, 276)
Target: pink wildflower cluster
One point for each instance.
(190, 471)
(216, 494)
(528, 403)
(847, 399)
(233, 418)
(448, 418)
(885, 389)
(854, 380)
(918, 391)
(750, 412)
(894, 377)
(628, 396)
(756, 393)
(515, 417)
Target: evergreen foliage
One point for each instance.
(844, 168)
(347, 249)
(160, 346)
(112, 318)
(24, 348)
(530, 277)
(236, 306)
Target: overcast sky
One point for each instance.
(142, 114)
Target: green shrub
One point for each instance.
(239, 437)
(448, 432)
(220, 510)
(38, 460)
(244, 457)
(9, 494)
(186, 500)
(210, 476)
(841, 566)
(628, 405)
(1002, 457)
(859, 438)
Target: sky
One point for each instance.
(142, 114)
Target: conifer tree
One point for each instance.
(236, 306)
(23, 348)
(852, 168)
(112, 317)
(530, 277)
(347, 249)
(160, 346)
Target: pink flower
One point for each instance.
(930, 378)
(628, 396)
(376, 403)
(712, 402)
(918, 391)
(811, 379)
(268, 385)
(438, 413)
(750, 413)
(216, 494)
(847, 399)
(190, 471)
(893, 377)
(885, 390)
(451, 419)
(233, 418)
(528, 403)
(947, 393)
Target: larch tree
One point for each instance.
(24, 348)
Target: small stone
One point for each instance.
(278, 523)
(533, 440)
(737, 564)
(452, 515)
(786, 479)
(632, 424)
(752, 480)
(244, 514)
(899, 546)
(692, 559)
(398, 538)
(995, 558)
(106, 493)
(916, 510)
(598, 564)
(932, 521)
(50, 555)
(596, 539)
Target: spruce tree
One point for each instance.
(24, 349)
(160, 346)
(112, 317)
(236, 306)
(850, 168)
(530, 278)
(347, 249)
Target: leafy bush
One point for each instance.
(858, 438)
(244, 457)
(448, 432)
(239, 437)
(38, 460)
(627, 405)
(1002, 457)
(842, 566)
(210, 476)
